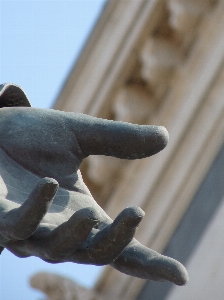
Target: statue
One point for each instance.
(47, 211)
(57, 287)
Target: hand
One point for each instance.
(45, 208)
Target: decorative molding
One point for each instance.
(101, 169)
(159, 57)
(184, 14)
(101, 66)
(134, 104)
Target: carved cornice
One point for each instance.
(133, 103)
(159, 53)
(184, 14)
(159, 57)
(148, 35)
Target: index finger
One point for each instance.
(119, 139)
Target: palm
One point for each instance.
(44, 143)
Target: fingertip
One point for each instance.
(83, 220)
(88, 213)
(183, 278)
(155, 139)
(130, 217)
(180, 275)
(172, 270)
(134, 211)
(162, 137)
(49, 181)
(49, 187)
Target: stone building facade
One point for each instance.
(160, 62)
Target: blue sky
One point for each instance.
(40, 41)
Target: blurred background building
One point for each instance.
(160, 62)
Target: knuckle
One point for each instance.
(100, 259)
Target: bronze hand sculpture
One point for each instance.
(47, 211)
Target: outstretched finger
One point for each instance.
(118, 139)
(108, 243)
(169, 269)
(69, 236)
(21, 223)
(140, 261)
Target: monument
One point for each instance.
(47, 211)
